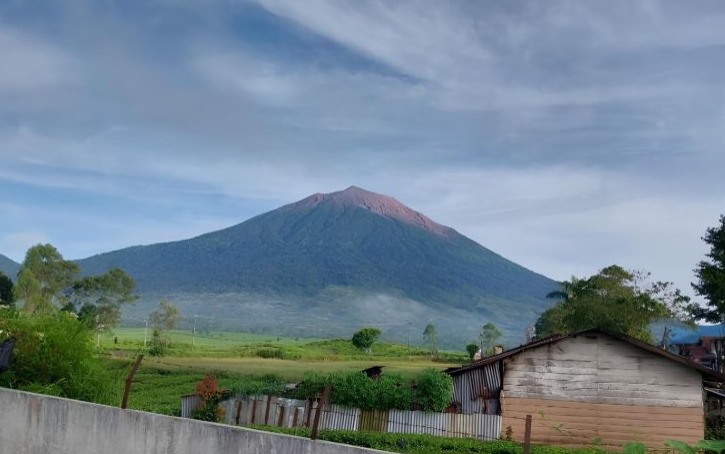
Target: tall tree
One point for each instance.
(365, 338)
(489, 336)
(43, 277)
(430, 335)
(615, 300)
(710, 275)
(165, 317)
(7, 297)
(46, 282)
(99, 298)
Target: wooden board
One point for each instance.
(581, 423)
(601, 369)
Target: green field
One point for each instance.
(238, 357)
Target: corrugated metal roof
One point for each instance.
(716, 376)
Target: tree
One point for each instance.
(7, 297)
(365, 338)
(53, 274)
(490, 334)
(431, 338)
(47, 282)
(100, 298)
(615, 300)
(472, 348)
(165, 317)
(710, 275)
(27, 291)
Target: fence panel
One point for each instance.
(248, 410)
(340, 418)
(484, 427)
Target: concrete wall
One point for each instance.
(32, 423)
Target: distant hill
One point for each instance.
(351, 254)
(8, 266)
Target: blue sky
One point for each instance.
(564, 135)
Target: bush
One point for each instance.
(55, 355)
(211, 396)
(433, 390)
(423, 444)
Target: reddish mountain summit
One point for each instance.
(379, 204)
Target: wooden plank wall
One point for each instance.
(562, 423)
(602, 387)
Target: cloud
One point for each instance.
(564, 135)
(31, 64)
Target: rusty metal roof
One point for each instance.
(709, 373)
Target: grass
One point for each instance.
(235, 357)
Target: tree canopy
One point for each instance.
(7, 297)
(490, 334)
(365, 338)
(615, 300)
(430, 335)
(47, 282)
(710, 275)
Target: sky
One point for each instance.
(563, 135)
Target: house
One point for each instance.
(704, 345)
(589, 387)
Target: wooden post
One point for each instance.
(266, 412)
(239, 411)
(320, 408)
(527, 435)
(280, 420)
(129, 380)
(254, 409)
(294, 419)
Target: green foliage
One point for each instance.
(267, 385)
(159, 344)
(471, 349)
(43, 276)
(710, 275)
(100, 298)
(46, 281)
(7, 298)
(716, 446)
(489, 336)
(365, 338)
(423, 444)
(430, 335)
(615, 300)
(432, 391)
(55, 354)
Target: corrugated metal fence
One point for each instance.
(247, 410)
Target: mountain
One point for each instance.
(9, 267)
(349, 257)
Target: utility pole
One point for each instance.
(145, 330)
(193, 332)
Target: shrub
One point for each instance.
(55, 355)
(433, 390)
(211, 396)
